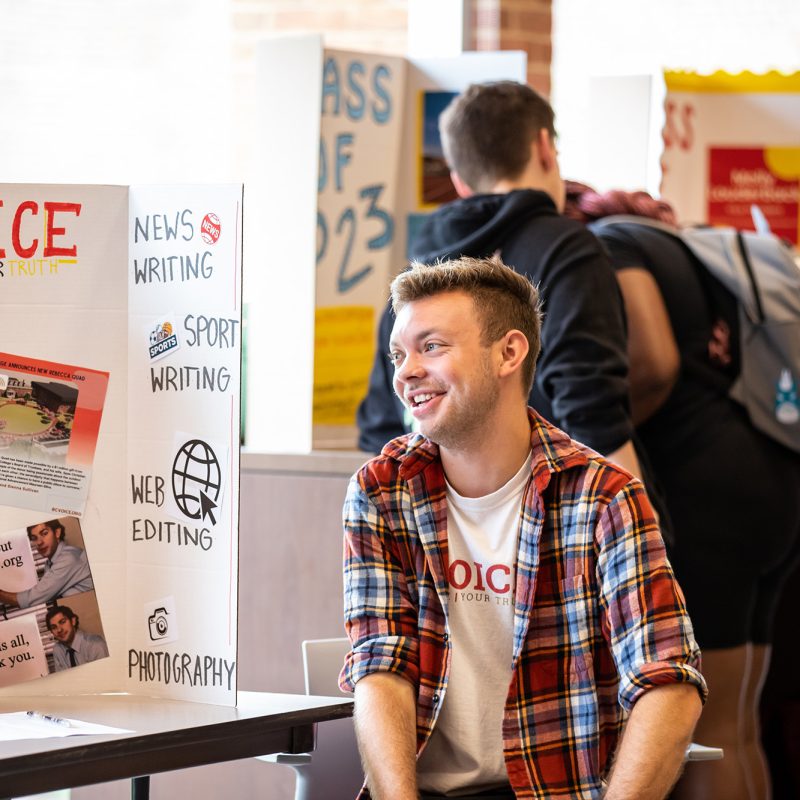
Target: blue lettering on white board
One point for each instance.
(322, 179)
(382, 113)
(360, 94)
(373, 212)
(330, 84)
(322, 236)
(355, 110)
(345, 231)
(344, 281)
(343, 157)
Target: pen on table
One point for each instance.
(49, 718)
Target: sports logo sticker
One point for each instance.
(163, 338)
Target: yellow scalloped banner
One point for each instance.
(733, 83)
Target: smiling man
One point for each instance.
(66, 569)
(507, 594)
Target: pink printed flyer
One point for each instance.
(49, 421)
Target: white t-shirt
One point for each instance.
(465, 750)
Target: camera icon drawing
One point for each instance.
(158, 624)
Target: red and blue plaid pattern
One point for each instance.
(598, 616)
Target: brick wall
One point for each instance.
(484, 27)
(516, 25)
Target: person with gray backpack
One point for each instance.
(759, 271)
(714, 346)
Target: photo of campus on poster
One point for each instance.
(435, 186)
(49, 616)
(36, 416)
(49, 420)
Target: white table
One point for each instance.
(166, 735)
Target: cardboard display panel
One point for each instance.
(359, 148)
(730, 143)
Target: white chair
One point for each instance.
(699, 752)
(333, 771)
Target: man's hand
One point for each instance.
(8, 598)
(386, 729)
(653, 747)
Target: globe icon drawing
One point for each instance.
(196, 480)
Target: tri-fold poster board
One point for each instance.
(119, 439)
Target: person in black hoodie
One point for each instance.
(499, 141)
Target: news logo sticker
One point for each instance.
(210, 229)
(163, 339)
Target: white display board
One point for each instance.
(342, 148)
(119, 410)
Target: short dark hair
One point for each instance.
(65, 610)
(54, 525)
(503, 299)
(487, 131)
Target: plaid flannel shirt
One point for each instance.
(598, 616)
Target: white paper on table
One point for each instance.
(18, 725)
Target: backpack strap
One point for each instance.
(751, 275)
(753, 306)
(624, 221)
(633, 219)
(720, 303)
(755, 310)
